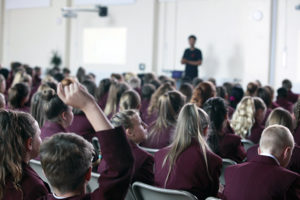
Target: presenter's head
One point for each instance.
(192, 40)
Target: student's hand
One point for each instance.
(75, 95)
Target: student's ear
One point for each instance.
(129, 133)
(287, 152)
(64, 115)
(88, 175)
(28, 144)
(258, 151)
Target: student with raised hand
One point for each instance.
(247, 118)
(265, 176)
(161, 132)
(223, 144)
(135, 130)
(60, 153)
(19, 143)
(188, 164)
(59, 116)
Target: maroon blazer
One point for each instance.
(143, 165)
(230, 111)
(143, 109)
(102, 101)
(189, 172)
(268, 112)
(256, 132)
(284, 103)
(149, 119)
(50, 128)
(23, 109)
(81, 126)
(230, 146)
(160, 139)
(115, 179)
(297, 134)
(292, 97)
(261, 178)
(31, 185)
(294, 164)
(274, 105)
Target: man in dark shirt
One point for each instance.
(192, 58)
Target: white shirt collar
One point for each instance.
(270, 155)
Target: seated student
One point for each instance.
(18, 96)
(265, 176)
(235, 96)
(202, 93)
(265, 95)
(135, 83)
(222, 92)
(146, 93)
(153, 106)
(221, 143)
(297, 122)
(161, 132)
(136, 133)
(281, 117)
(36, 108)
(251, 89)
(130, 100)
(19, 143)
(271, 91)
(2, 101)
(59, 116)
(188, 164)
(291, 97)
(247, 118)
(283, 101)
(187, 90)
(102, 92)
(80, 124)
(60, 153)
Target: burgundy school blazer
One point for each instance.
(50, 128)
(143, 165)
(284, 103)
(294, 164)
(81, 126)
(268, 112)
(261, 178)
(115, 179)
(159, 140)
(189, 172)
(255, 132)
(102, 101)
(274, 105)
(22, 109)
(230, 146)
(292, 97)
(230, 111)
(149, 119)
(31, 185)
(143, 109)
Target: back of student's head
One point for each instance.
(147, 91)
(37, 109)
(130, 100)
(66, 160)
(90, 86)
(213, 81)
(196, 81)
(282, 117)
(251, 89)
(228, 86)
(217, 112)
(15, 129)
(187, 90)
(103, 87)
(59, 76)
(134, 82)
(53, 105)
(166, 87)
(4, 72)
(156, 83)
(287, 84)
(221, 92)
(282, 92)
(192, 124)
(297, 113)
(236, 95)
(265, 95)
(123, 118)
(275, 140)
(18, 95)
(202, 92)
(117, 77)
(80, 75)
(148, 77)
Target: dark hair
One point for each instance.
(17, 94)
(282, 92)
(66, 70)
(103, 88)
(286, 83)
(117, 76)
(196, 81)
(15, 66)
(53, 106)
(80, 74)
(228, 86)
(265, 95)
(217, 112)
(251, 89)
(66, 158)
(4, 72)
(147, 91)
(28, 70)
(221, 92)
(213, 81)
(156, 83)
(202, 93)
(15, 129)
(237, 93)
(148, 77)
(187, 90)
(193, 37)
(59, 76)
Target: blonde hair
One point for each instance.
(282, 117)
(124, 118)
(275, 139)
(244, 116)
(192, 122)
(130, 100)
(22, 77)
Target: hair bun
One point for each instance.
(48, 94)
(67, 81)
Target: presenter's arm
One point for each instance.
(195, 63)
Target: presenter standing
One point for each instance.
(192, 58)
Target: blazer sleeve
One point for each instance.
(115, 179)
(147, 175)
(294, 190)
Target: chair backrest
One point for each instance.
(149, 150)
(130, 195)
(143, 191)
(212, 198)
(247, 144)
(226, 163)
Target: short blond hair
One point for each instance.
(275, 139)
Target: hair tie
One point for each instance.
(232, 98)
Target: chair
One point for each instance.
(247, 144)
(130, 195)
(226, 163)
(143, 191)
(212, 198)
(149, 150)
